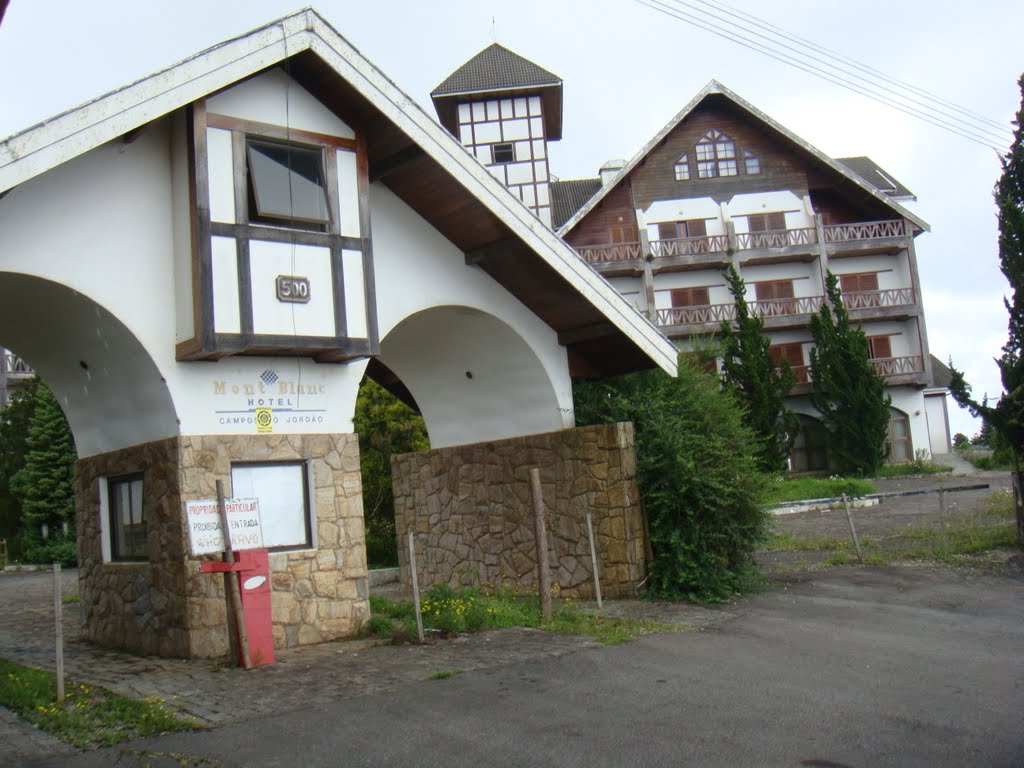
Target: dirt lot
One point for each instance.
(897, 526)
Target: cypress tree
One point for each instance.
(847, 391)
(1007, 415)
(45, 485)
(760, 386)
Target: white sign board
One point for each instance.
(205, 535)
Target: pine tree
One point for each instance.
(14, 425)
(45, 484)
(847, 391)
(1006, 417)
(749, 371)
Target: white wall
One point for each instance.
(935, 408)
(911, 402)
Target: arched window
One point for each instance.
(899, 446)
(716, 155)
(682, 169)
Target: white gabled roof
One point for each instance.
(714, 87)
(59, 139)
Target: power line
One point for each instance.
(761, 44)
(982, 121)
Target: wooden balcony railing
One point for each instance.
(606, 254)
(805, 305)
(744, 241)
(15, 365)
(778, 238)
(802, 373)
(713, 313)
(690, 246)
(870, 230)
(893, 297)
(898, 366)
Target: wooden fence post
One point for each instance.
(540, 529)
(853, 530)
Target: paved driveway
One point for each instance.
(901, 666)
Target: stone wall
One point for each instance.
(469, 507)
(165, 606)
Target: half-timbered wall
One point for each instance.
(507, 135)
(266, 282)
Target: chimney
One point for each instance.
(610, 170)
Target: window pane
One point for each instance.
(281, 490)
(504, 153)
(128, 530)
(287, 182)
(725, 149)
(706, 170)
(727, 168)
(705, 151)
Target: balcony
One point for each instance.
(15, 367)
(776, 245)
(894, 370)
(778, 313)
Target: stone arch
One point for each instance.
(473, 376)
(111, 390)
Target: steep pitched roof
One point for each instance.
(942, 376)
(407, 152)
(569, 196)
(498, 72)
(714, 88)
(495, 68)
(874, 174)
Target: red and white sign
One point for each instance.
(205, 534)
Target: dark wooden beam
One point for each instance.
(586, 333)
(499, 249)
(386, 165)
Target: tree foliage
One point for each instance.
(1007, 416)
(45, 484)
(697, 472)
(749, 371)
(846, 390)
(14, 424)
(386, 426)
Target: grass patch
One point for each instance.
(986, 461)
(443, 674)
(449, 612)
(799, 488)
(783, 542)
(912, 468)
(70, 599)
(90, 716)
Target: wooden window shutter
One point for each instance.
(879, 347)
(690, 297)
(668, 230)
(695, 228)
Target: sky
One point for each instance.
(627, 69)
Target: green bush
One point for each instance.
(60, 550)
(698, 476)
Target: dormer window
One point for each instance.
(716, 156)
(682, 169)
(286, 184)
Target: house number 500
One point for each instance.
(293, 289)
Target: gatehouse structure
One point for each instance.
(204, 264)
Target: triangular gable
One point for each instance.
(603, 316)
(716, 88)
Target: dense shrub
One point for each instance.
(698, 475)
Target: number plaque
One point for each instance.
(293, 289)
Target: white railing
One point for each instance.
(898, 366)
(871, 230)
(892, 297)
(16, 365)
(606, 254)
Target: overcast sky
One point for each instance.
(627, 70)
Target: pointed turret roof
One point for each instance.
(497, 72)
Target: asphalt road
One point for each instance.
(902, 666)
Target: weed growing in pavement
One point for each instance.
(443, 674)
(473, 609)
(782, 489)
(89, 716)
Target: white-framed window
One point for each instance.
(682, 169)
(283, 492)
(716, 156)
(125, 519)
(286, 184)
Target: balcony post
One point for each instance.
(647, 279)
(819, 228)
